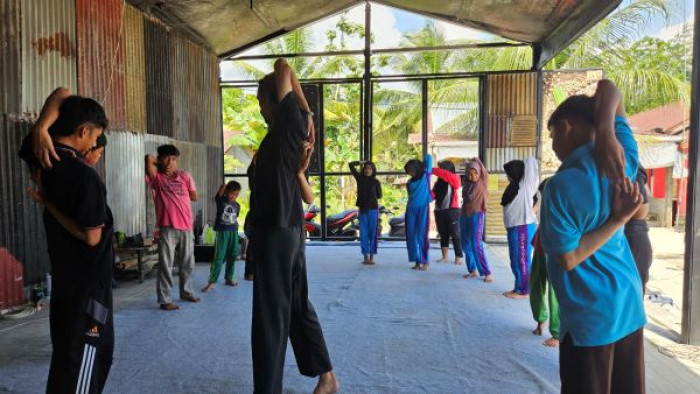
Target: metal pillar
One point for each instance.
(690, 332)
(367, 86)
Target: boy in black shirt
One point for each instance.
(281, 308)
(78, 226)
(226, 227)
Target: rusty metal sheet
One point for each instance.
(21, 227)
(125, 177)
(135, 70)
(101, 56)
(49, 52)
(159, 81)
(10, 56)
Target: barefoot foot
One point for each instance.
(209, 287)
(169, 307)
(231, 283)
(442, 260)
(488, 279)
(538, 331)
(551, 342)
(458, 261)
(327, 384)
(514, 295)
(190, 298)
(424, 267)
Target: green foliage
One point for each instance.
(650, 72)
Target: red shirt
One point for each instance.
(171, 196)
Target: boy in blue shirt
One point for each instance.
(585, 206)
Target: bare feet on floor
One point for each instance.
(327, 384)
(539, 330)
(415, 266)
(551, 342)
(488, 279)
(209, 287)
(472, 274)
(231, 283)
(424, 267)
(515, 295)
(458, 261)
(190, 298)
(442, 260)
(169, 307)
(368, 262)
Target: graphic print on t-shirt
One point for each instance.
(229, 216)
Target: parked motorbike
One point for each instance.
(397, 227)
(343, 224)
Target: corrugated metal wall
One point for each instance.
(125, 177)
(159, 84)
(135, 70)
(109, 51)
(101, 56)
(10, 75)
(21, 227)
(511, 134)
(49, 53)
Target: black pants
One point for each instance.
(447, 221)
(82, 337)
(281, 310)
(249, 258)
(637, 234)
(617, 368)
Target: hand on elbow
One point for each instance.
(568, 261)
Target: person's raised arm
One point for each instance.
(608, 152)
(222, 188)
(531, 177)
(287, 82)
(307, 195)
(42, 142)
(151, 167)
(448, 176)
(428, 161)
(353, 168)
(625, 203)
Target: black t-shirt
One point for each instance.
(369, 190)
(79, 272)
(226, 214)
(277, 194)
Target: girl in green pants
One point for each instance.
(226, 227)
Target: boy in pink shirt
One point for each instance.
(173, 193)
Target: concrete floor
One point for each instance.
(389, 329)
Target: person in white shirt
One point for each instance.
(519, 219)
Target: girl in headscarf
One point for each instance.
(368, 192)
(417, 218)
(474, 195)
(447, 191)
(519, 219)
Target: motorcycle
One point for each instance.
(397, 227)
(343, 224)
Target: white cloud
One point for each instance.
(672, 31)
(457, 32)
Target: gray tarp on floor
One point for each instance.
(389, 330)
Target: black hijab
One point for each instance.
(515, 169)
